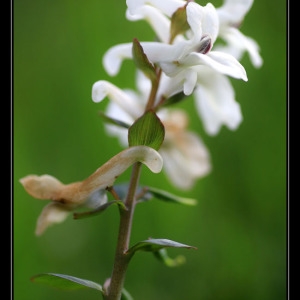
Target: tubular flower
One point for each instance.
(185, 156)
(68, 197)
(231, 15)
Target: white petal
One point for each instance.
(143, 85)
(219, 61)
(158, 21)
(187, 161)
(103, 88)
(234, 11)
(159, 52)
(202, 20)
(114, 57)
(170, 86)
(168, 7)
(190, 81)
(114, 111)
(238, 43)
(52, 213)
(215, 103)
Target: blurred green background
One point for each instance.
(239, 224)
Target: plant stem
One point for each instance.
(154, 88)
(121, 262)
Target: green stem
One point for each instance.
(121, 262)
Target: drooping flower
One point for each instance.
(68, 197)
(185, 156)
(231, 15)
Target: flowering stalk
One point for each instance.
(115, 284)
(183, 61)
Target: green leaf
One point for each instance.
(179, 22)
(162, 255)
(142, 62)
(125, 295)
(166, 196)
(152, 245)
(147, 130)
(65, 282)
(113, 121)
(174, 99)
(98, 210)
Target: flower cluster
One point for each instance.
(184, 60)
(190, 63)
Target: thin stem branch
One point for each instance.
(153, 92)
(115, 287)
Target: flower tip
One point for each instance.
(41, 187)
(99, 91)
(23, 181)
(150, 157)
(156, 165)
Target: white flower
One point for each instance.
(68, 197)
(181, 58)
(185, 157)
(189, 63)
(231, 15)
(215, 102)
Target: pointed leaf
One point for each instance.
(179, 22)
(125, 295)
(65, 282)
(152, 245)
(142, 62)
(174, 99)
(162, 255)
(113, 121)
(147, 130)
(166, 196)
(98, 210)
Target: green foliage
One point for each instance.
(154, 245)
(174, 99)
(179, 22)
(163, 256)
(113, 121)
(147, 130)
(65, 282)
(147, 193)
(69, 283)
(169, 197)
(125, 295)
(142, 62)
(243, 212)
